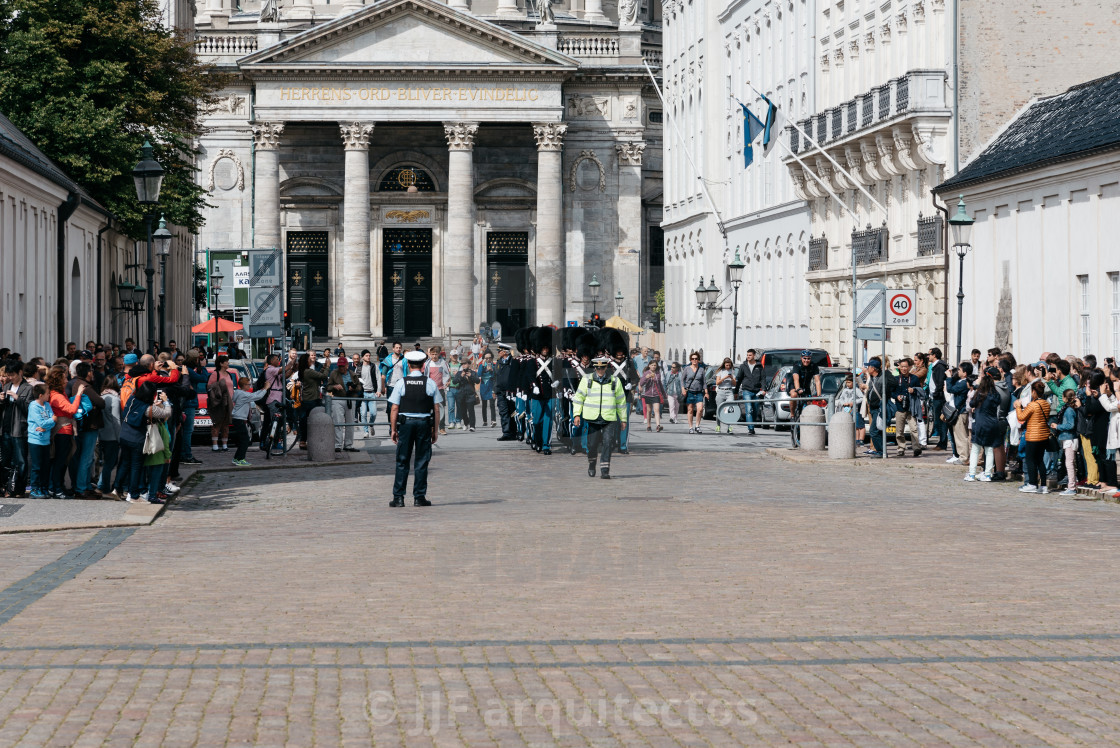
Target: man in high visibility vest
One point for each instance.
(600, 401)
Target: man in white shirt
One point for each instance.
(370, 377)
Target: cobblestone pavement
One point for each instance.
(710, 597)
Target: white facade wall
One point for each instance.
(29, 261)
(883, 88)
(1043, 274)
(695, 110)
(768, 44)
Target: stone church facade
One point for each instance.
(427, 168)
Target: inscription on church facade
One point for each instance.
(405, 94)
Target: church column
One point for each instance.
(550, 238)
(266, 183)
(355, 232)
(301, 10)
(628, 258)
(458, 250)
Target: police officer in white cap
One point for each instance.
(414, 425)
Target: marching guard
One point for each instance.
(600, 402)
(414, 427)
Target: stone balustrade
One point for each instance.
(588, 45)
(226, 47)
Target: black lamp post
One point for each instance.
(618, 299)
(960, 225)
(162, 239)
(216, 279)
(148, 177)
(735, 270)
(594, 287)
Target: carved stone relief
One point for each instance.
(226, 178)
(589, 106)
(583, 172)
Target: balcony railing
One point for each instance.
(818, 254)
(652, 55)
(870, 245)
(226, 47)
(917, 91)
(588, 45)
(931, 235)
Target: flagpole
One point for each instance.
(680, 140)
(835, 163)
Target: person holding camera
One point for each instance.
(342, 384)
(959, 387)
(908, 402)
(877, 405)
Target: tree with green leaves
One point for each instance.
(89, 80)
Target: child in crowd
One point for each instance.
(243, 397)
(40, 422)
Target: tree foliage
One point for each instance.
(89, 80)
(659, 303)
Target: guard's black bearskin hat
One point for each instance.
(541, 338)
(521, 339)
(587, 346)
(612, 341)
(569, 337)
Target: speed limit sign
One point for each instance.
(901, 308)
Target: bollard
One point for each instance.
(841, 436)
(812, 428)
(320, 436)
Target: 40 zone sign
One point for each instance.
(901, 310)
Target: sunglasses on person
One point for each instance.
(694, 358)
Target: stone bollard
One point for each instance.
(812, 428)
(841, 436)
(320, 436)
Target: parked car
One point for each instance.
(775, 403)
(769, 358)
(202, 422)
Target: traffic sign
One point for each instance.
(264, 266)
(265, 307)
(901, 308)
(869, 307)
(265, 331)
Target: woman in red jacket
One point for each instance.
(65, 429)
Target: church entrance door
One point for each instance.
(508, 282)
(407, 283)
(307, 279)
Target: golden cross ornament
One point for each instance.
(418, 278)
(318, 277)
(495, 278)
(395, 278)
(297, 278)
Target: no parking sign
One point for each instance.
(901, 308)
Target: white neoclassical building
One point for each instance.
(714, 54)
(883, 112)
(1043, 273)
(429, 167)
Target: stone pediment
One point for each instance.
(394, 35)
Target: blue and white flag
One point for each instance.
(752, 128)
(772, 127)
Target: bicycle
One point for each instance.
(277, 432)
(795, 407)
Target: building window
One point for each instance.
(1114, 284)
(400, 178)
(1083, 287)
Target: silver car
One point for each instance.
(775, 402)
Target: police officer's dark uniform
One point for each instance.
(504, 388)
(414, 424)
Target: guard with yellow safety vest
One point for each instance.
(600, 402)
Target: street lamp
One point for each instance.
(162, 238)
(960, 226)
(735, 270)
(618, 299)
(594, 287)
(713, 293)
(216, 279)
(124, 294)
(148, 178)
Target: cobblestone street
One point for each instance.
(708, 597)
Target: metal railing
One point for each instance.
(328, 401)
